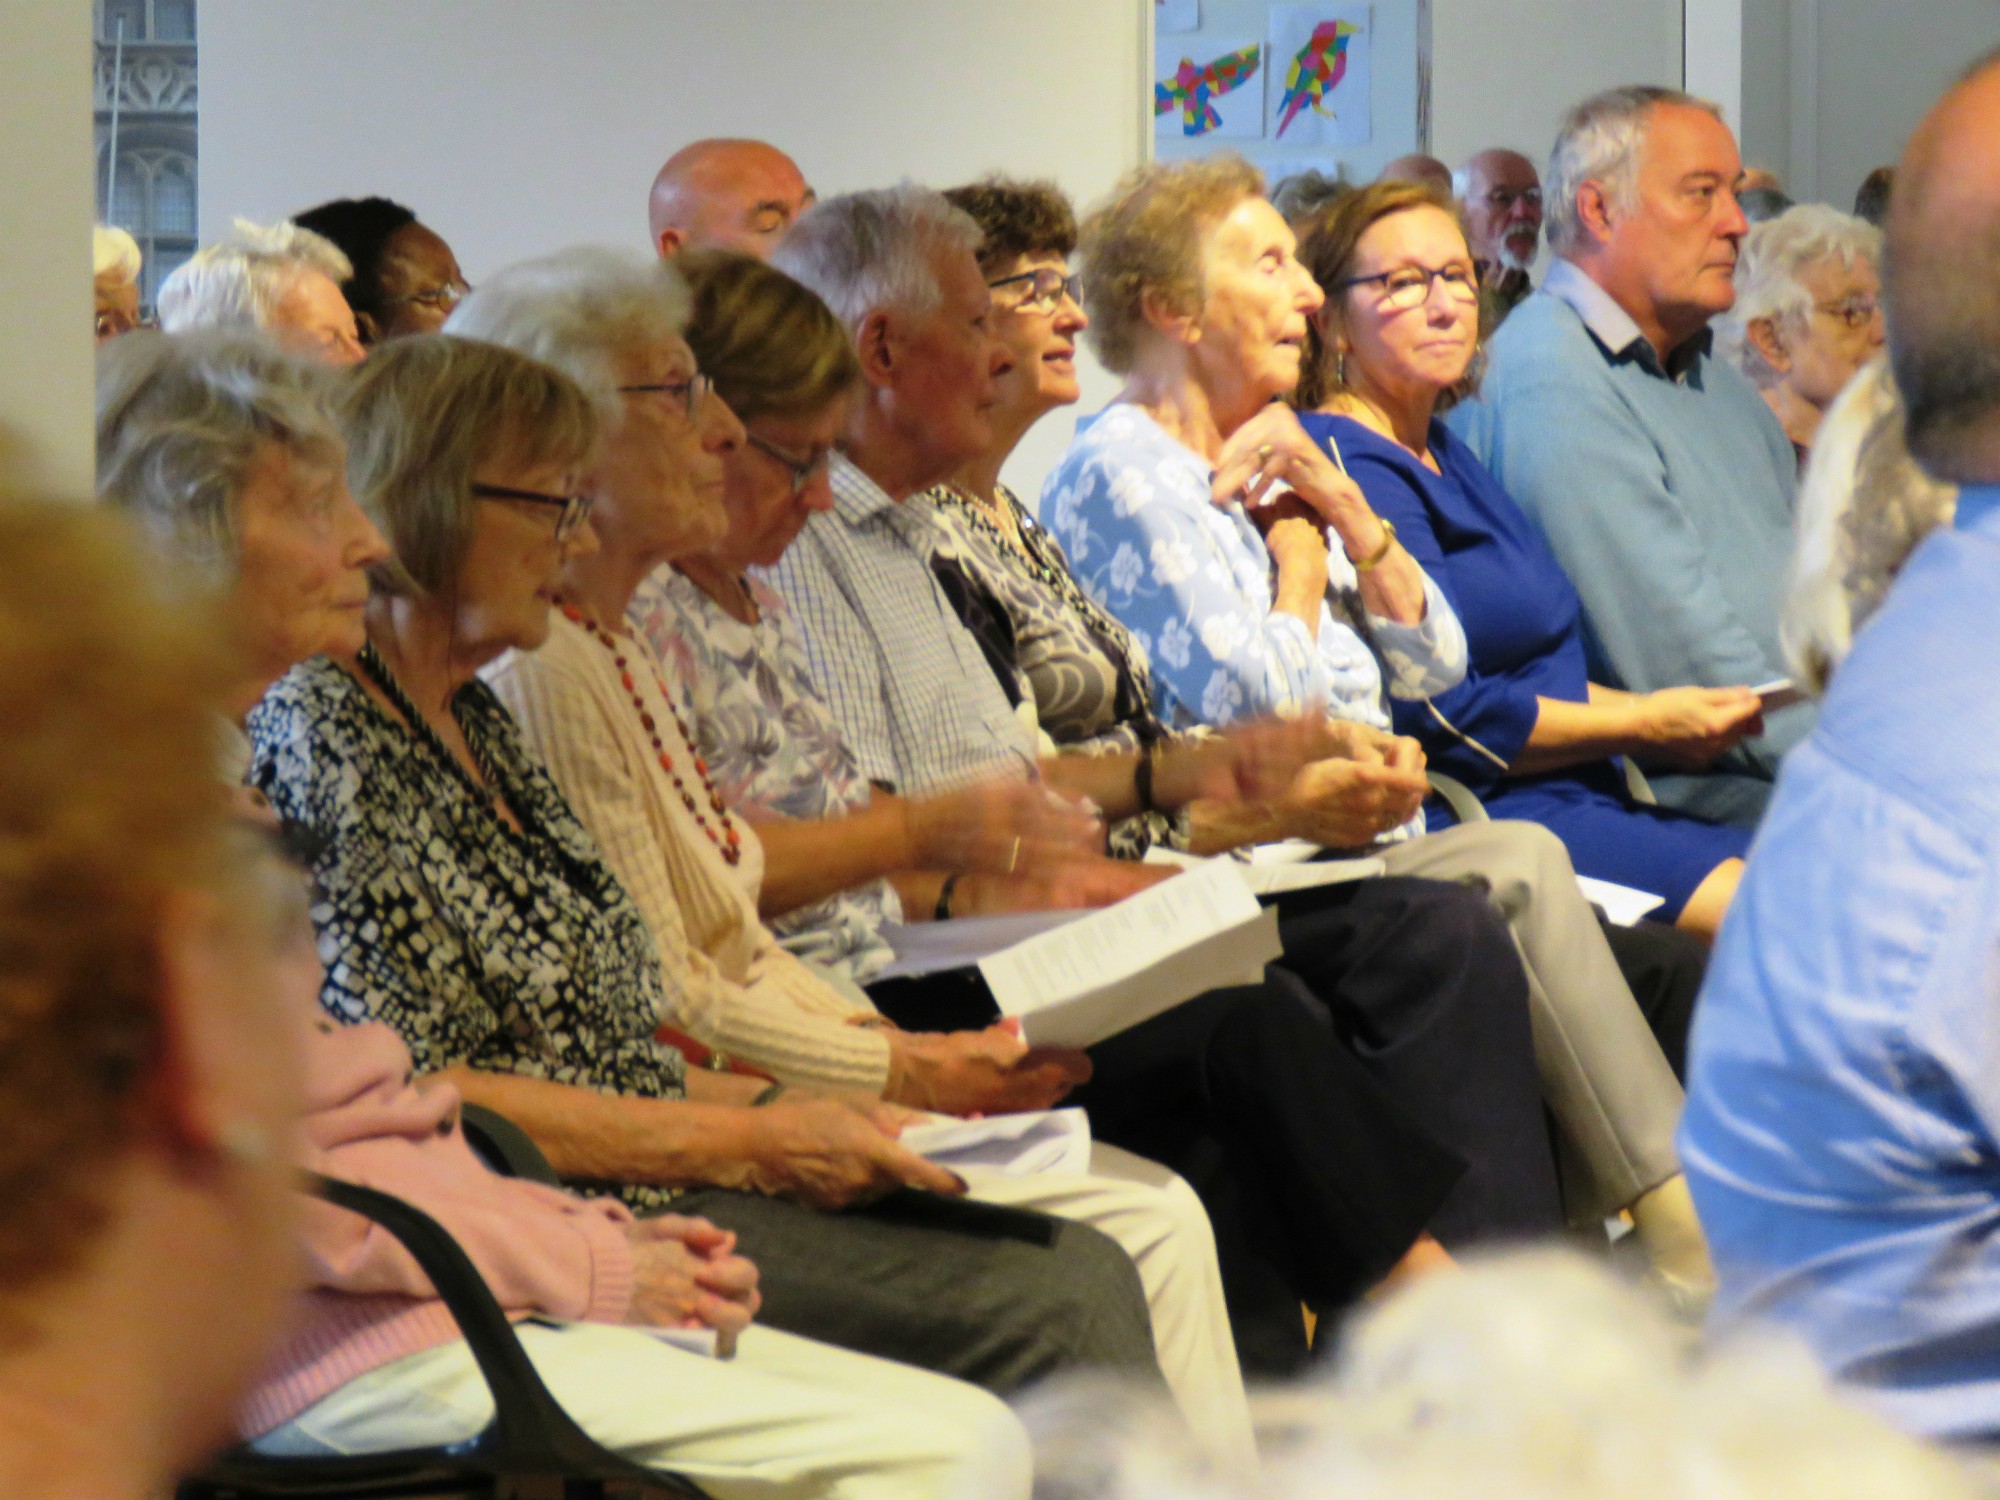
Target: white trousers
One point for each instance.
(1160, 1223)
(786, 1419)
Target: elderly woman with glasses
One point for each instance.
(1524, 728)
(1808, 313)
(1195, 295)
(406, 280)
(460, 899)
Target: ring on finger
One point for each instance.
(1264, 453)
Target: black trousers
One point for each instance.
(1665, 968)
(1379, 1082)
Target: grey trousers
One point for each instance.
(1614, 1097)
(994, 1310)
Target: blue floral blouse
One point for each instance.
(1192, 581)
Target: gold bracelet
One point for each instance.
(1375, 558)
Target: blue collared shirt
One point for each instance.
(1842, 1133)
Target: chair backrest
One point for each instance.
(532, 1450)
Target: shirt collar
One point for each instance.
(1613, 327)
(856, 497)
(1978, 505)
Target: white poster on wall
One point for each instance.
(1176, 15)
(1208, 88)
(1318, 94)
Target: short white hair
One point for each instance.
(1863, 506)
(864, 252)
(114, 254)
(1531, 1376)
(1600, 141)
(1768, 283)
(238, 280)
(584, 310)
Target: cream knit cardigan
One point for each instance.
(728, 982)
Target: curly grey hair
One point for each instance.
(1600, 141)
(1774, 254)
(873, 251)
(238, 280)
(180, 420)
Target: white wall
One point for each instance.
(1504, 71)
(45, 183)
(518, 126)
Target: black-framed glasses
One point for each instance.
(690, 393)
(1855, 312)
(1410, 286)
(802, 470)
(575, 508)
(442, 298)
(1502, 199)
(1042, 289)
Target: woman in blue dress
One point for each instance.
(1525, 728)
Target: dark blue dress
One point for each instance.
(1523, 628)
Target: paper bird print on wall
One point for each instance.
(1192, 89)
(1316, 72)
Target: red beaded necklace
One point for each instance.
(729, 841)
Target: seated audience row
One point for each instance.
(636, 644)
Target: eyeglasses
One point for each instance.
(442, 298)
(1855, 312)
(1504, 199)
(575, 508)
(690, 393)
(1407, 287)
(1044, 294)
(802, 470)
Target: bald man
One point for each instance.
(1417, 167)
(1502, 197)
(727, 195)
(1842, 1133)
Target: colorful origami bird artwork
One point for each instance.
(1191, 88)
(1316, 71)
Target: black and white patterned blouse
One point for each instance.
(515, 952)
(1090, 680)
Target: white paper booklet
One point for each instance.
(1045, 1140)
(1620, 903)
(694, 1340)
(1276, 868)
(1120, 965)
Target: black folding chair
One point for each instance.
(531, 1450)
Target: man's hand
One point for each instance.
(1369, 746)
(1347, 804)
(1082, 883)
(1001, 826)
(826, 1154)
(986, 1072)
(686, 1274)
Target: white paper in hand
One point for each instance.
(1621, 905)
(1126, 963)
(1042, 1140)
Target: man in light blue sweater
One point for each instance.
(1660, 479)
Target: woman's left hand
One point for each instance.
(1272, 453)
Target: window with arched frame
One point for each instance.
(146, 20)
(154, 201)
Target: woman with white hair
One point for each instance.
(277, 277)
(1808, 312)
(114, 270)
(1864, 504)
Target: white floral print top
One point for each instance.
(1192, 581)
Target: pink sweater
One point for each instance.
(369, 1122)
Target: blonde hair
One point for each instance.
(1146, 238)
(420, 415)
(771, 346)
(111, 688)
(114, 254)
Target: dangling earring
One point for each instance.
(1340, 367)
